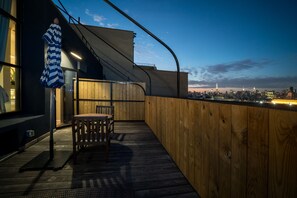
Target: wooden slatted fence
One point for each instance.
(228, 150)
(127, 98)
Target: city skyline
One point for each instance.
(228, 89)
(236, 44)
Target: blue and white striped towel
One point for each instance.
(52, 75)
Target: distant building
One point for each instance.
(270, 94)
(291, 94)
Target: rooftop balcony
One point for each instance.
(221, 149)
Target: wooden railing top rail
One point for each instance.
(244, 103)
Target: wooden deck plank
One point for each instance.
(138, 166)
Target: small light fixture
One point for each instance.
(75, 55)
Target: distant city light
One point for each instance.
(284, 101)
(267, 96)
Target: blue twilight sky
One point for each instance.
(235, 43)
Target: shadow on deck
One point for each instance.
(138, 166)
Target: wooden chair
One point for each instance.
(90, 131)
(107, 110)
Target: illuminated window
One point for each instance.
(9, 6)
(8, 32)
(9, 64)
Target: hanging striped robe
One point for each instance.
(52, 75)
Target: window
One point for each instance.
(9, 6)
(9, 63)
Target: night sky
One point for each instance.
(251, 43)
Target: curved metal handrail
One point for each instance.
(155, 37)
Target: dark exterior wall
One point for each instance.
(115, 66)
(36, 18)
(164, 83)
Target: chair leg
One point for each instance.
(106, 151)
(74, 154)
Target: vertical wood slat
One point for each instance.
(175, 128)
(198, 146)
(191, 142)
(213, 113)
(282, 154)
(204, 174)
(169, 129)
(147, 111)
(183, 132)
(239, 150)
(225, 153)
(158, 118)
(257, 165)
(153, 113)
(162, 118)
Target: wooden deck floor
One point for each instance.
(138, 167)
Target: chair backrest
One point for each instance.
(105, 109)
(90, 130)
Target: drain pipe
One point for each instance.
(155, 37)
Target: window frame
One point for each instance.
(18, 56)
